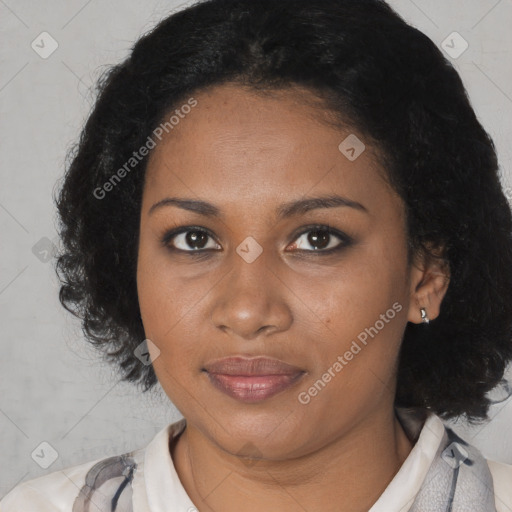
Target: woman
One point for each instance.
(288, 215)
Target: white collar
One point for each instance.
(156, 485)
(401, 491)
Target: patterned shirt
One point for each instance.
(442, 473)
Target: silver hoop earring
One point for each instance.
(424, 317)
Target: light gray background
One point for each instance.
(52, 386)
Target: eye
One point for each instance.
(323, 238)
(188, 239)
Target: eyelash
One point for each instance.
(345, 240)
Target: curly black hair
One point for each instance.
(377, 74)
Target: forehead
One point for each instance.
(236, 144)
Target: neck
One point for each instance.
(349, 473)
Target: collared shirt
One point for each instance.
(145, 480)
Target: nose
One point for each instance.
(251, 299)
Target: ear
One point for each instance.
(429, 280)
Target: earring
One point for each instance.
(424, 317)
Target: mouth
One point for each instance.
(252, 379)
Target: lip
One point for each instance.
(252, 379)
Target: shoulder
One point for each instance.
(111, 483)
(502, 478)
(71, 488)
(51, 492)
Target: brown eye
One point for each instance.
(196, 239)
(321, 239)
(188, 240)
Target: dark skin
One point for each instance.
(247, 155)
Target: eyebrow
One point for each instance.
(286, 210)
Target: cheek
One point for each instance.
(364, 287)
(163, 296)
(169, 305)
(362, 311)
(355, 357)
(160, 306)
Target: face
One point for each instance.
(324, 288)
